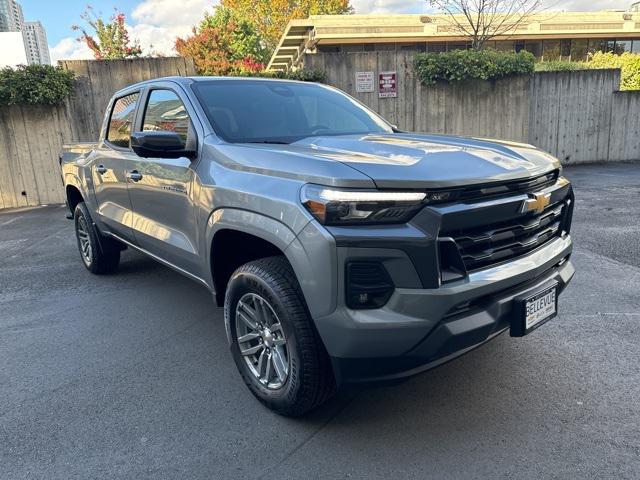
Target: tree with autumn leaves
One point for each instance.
(271, 16)
(241, 35)
(111, 39)
(224, 44)
(237, 38)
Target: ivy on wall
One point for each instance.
(35, 85)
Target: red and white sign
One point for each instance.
(387, 85)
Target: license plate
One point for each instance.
(534, 310)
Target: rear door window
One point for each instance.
(121, 121)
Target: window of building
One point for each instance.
(328, 48)
(623, 46)
(166, 112)
(579, 50)
(505, 46)
(519, 45)
(636, 46)
(550, 50)
(534, 47)
(602, 45)
(458, 46)
(385, 47)
(413, 47)
(353, 48)
(565, 49)
(436, 47)
(121, 121)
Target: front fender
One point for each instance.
(71, 179)
(245, 221)
(313, 261)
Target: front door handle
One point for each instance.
(134, 175)
(101, 169)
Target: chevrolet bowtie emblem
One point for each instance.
(536, 204)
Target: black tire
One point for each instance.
(103, 254)
(310, 381)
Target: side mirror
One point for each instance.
(160, 144)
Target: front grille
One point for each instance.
(485, 192)
(488, 245)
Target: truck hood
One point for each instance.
(432, 161)
(397, 160)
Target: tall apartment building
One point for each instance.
(36, 45)
(11, 17)
(34, 38)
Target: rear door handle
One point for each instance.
(101, 169)
(134, 175)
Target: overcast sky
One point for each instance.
(156, 23)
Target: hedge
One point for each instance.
(628, 63)
(461, 65)
(305, 75)
(560, 66)
(35, 85)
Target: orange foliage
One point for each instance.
(271, 16)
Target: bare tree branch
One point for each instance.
(482, 20)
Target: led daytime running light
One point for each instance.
(355, 196)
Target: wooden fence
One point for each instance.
(31, 137)
(578, 116)
(98, 80)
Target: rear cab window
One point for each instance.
(121, 120)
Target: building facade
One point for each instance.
(36, 45)
(549, 36)
(11, 17)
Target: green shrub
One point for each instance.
(629, 63)
(302, 74)
(560, 66)
(460, 65)
(35, 85)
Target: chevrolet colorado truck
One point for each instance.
(342, 249)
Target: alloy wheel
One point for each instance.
(82, 231)
(261, 340)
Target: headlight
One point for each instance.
(347, 207)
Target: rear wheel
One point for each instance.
(274, 342)
(99, 254)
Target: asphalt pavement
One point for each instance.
(129, 376)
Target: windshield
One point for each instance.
(245, 111)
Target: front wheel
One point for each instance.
(274, 342)
(99, 254)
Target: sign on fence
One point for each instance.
(364, 82)
(387, 85)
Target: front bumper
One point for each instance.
(420, 328)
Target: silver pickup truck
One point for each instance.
(342, 249)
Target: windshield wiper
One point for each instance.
(272, 142)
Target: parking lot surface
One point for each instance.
(129, 375)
